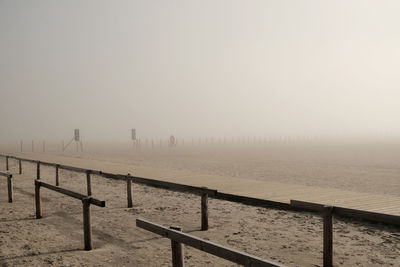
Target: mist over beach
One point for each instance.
(276, 109)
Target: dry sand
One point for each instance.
(292, 238)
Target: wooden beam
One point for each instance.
(71, 193)
(173, 186)
(309, 206)
(206, 246)
(257, 202)
(5, 174)
(112, 176)
(347, 212)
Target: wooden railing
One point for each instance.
(326, 211)
(86, 201)
(203, 191)
(178, 238)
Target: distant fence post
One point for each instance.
(37, 200)
(88, 183)
(177, 251)
(87, 220)
(129, 190)
(20, 166)
(10, 188)
(328, 247)
(38, 170)
(204, 210)
(57, 179)
(7, 163)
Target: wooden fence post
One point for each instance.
(87, 221)
(57, 179)
(38, 170)
(20, 166)
(129, 190)
(88, 183)
(204, 211)
(37, 200)
(177, 251)
(328, 247)
(7, 163)
(10, 188)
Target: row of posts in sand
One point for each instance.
(152, 143)
(41, 146)
(212, 141)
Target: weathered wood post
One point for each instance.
(20, 166)
(204, 210)
(10, 188)
(38, 170)
(37, 200)
(7, 163)
(328, 247)
(87, 221)
(88, 182)
(177, 251)
(129, 190)
(57, 179)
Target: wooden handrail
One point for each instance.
(206, 246)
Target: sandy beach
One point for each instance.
(289, 238)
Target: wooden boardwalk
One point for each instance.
(253, 188)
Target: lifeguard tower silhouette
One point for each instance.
(78, 142)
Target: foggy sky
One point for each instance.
(198, 68)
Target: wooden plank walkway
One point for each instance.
(253, 188)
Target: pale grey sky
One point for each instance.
(197, 68)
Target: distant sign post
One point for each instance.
(134, 134)
(134, 139)
(76, 135)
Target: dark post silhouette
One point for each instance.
(37, 200)
(328, 247)
(10, 188)
(129, 190)
(177, 251)
(38, 170)
(87, 221)
(57, 179)
(88, 183)
(204, 211)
